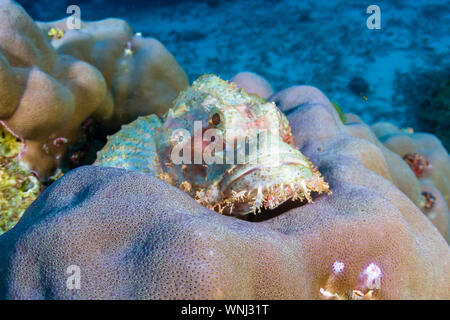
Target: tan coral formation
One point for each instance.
(141, 76)
(425, 144)
(150, 240)
(433, 178)
(394, 168)
(46, 95)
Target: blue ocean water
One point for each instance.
(387, 74)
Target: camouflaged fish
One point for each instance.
(231, 151)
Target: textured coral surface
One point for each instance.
(134, 236)
(382, 233)
(253, 83)
(100, 72)
(141, 76)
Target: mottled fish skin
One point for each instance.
(133, 147)
(238, 189)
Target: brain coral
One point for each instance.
(135, 236)
(100, 72)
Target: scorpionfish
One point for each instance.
(231, 151)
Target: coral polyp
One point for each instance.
(428, 200)
(418, 163)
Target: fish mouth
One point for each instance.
(242, 170)
(249, 188)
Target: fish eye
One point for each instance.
(215, 119)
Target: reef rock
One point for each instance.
(44, 96)
(133, 236)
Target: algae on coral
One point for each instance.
(18, 187)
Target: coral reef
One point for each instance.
(141, 76)
(429, 161)
(382, 233)
(339, 111)
(44, 96)
(253, 83)
(291, 41)
(212, 119)
(18, 187)
(47, 94)
(134, 236)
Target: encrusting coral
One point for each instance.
(210, 122)
(134, 236)
(18, 187)
(47, 94)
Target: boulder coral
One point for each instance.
(381, 159)
(250, 127)
(253, 83)
(134, 236)
(46, 94)
(429, 161)
(141, 76)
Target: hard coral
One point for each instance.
(46, 94)
(428, 160)
(253, 83)
(135, 236)
(141, 76)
